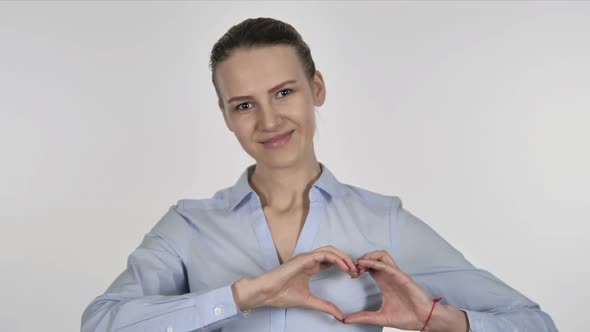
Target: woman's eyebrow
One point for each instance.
(271, 90)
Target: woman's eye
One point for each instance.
(239, 107)
(285, 90)
(282, 93)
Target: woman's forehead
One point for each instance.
(258, 69)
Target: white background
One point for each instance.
(474, 113)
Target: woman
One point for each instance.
(277, 250)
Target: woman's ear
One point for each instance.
(318, 89)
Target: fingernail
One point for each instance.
(340, 320)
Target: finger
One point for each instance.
(360, 269)
(380, 255)
(364, 317)
(327, 256)
(377, 265)
(341, 254)
(328, 307)
(366, 254)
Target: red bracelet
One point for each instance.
(431, 310)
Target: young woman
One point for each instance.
(288, 247)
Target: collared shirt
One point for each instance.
(179, 277)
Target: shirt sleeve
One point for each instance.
(490, 304)
(152, 293)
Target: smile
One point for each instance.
(278, 141)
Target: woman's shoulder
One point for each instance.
(219, 200)
(371, 197)
(188, 211)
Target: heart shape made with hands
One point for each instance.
(337, 287)
(404, 303)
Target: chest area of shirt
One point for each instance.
(223, 252)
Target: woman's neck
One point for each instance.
(285, 189)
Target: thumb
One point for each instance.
(363, 317)
(328, 307)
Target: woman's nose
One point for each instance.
(269, 117)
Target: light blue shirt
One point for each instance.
(179, 278)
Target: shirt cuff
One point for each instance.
(477, 321)
(220, 305)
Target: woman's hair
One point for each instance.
(262, 31)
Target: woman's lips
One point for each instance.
(279, 141)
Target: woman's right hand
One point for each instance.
(287, 285)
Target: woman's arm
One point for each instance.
(151, 294)
(490, 304)
(448, 318)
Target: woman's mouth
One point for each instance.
(279, 141)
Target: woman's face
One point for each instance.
(264, 93)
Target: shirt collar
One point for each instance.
(327, 183)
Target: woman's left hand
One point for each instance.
(405, 304)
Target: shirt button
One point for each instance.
(169, 329)
(217, 311)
